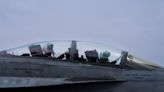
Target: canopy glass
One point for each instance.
(79, 51)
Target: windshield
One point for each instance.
(139, 63)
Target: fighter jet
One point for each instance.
(77, 66)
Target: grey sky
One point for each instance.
(133, 25)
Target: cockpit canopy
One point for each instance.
(80, 51)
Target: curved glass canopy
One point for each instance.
(80, 51)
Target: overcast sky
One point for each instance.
(133, 25)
